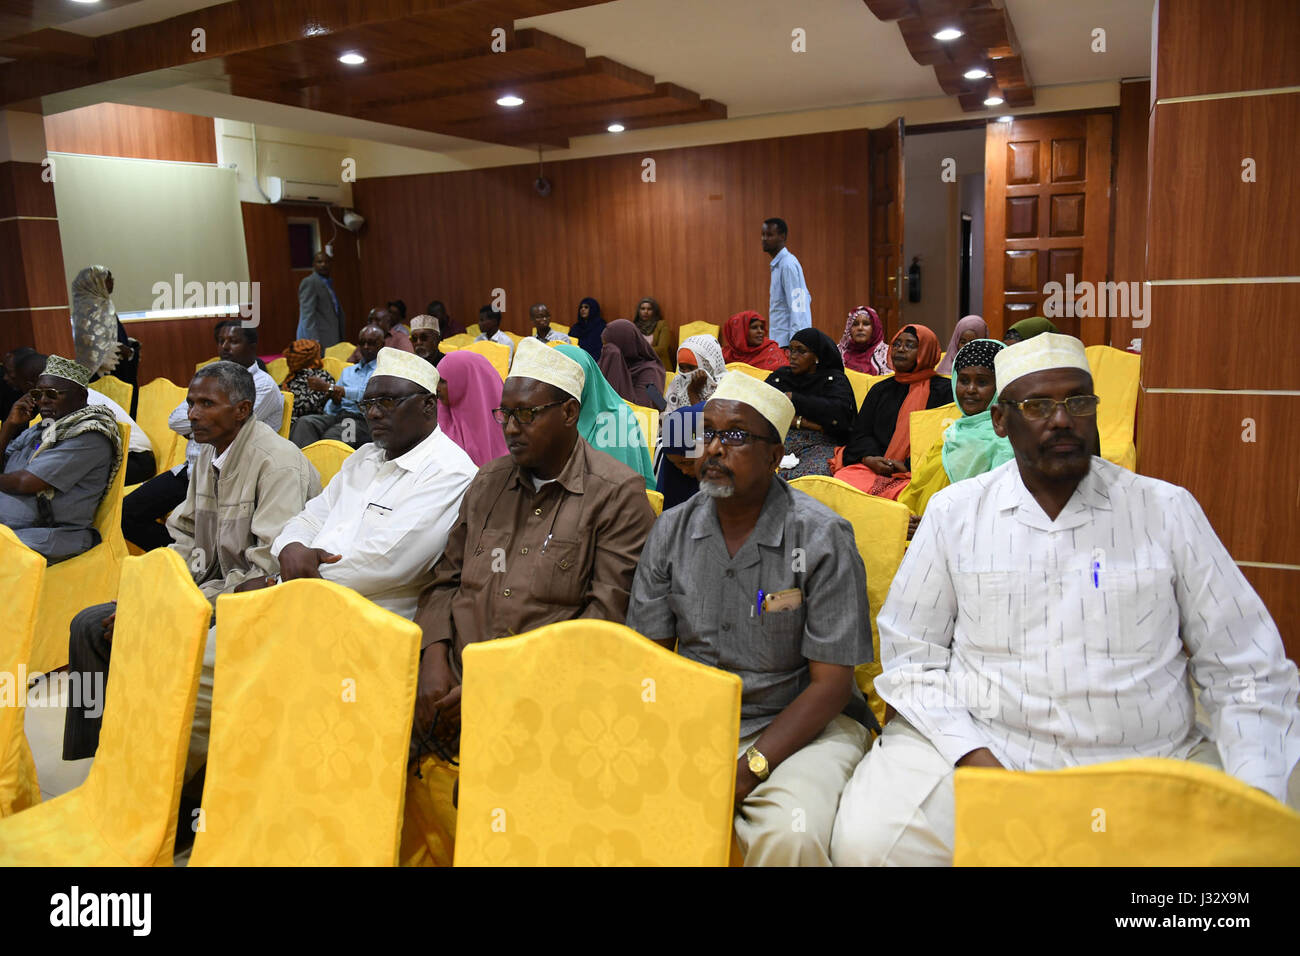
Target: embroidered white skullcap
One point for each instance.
(409, 366)
(763, 398)
(425, 322)
(1042, 352)
(60, 367)
(534, 360)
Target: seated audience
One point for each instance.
(489, 329)
(447, 326)
(650, 322)
(815, 383)
(863, 346)
(1027, 329)
(970, 446)
(470, 388)
(551, 532)
(304, 361)
(1061, 627)
(247, 483)
(396, 335)
(143, 508)
(540, 316)
(716, 580)
(589, 330)
(700, 366)
(878, 455)
(744, 339)
(679, 451)
(342, 419)
(968, 329)
(383, 520)
(9, 390)
(57, 471)
(426, 333)
(397, 309)
(630, 365)
(606, 422)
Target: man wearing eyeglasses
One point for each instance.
(342, 419)
(1048, 614)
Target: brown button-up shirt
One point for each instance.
(519, 558)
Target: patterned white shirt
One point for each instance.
(1066, 642)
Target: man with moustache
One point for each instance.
(426, 333)
(1047, 615)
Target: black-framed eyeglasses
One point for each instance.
(1076, 406)
(385, 402)
(524, 416)
(731, 437)
(52, 394)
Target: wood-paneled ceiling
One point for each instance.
(430, 65)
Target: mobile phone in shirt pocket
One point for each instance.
(780, 648)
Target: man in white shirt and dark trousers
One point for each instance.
(1048, 614)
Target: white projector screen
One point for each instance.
(149, 221)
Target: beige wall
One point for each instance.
(287, 153)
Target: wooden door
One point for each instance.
(1046, 217)
(885, 201)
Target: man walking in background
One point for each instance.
(320, 316)
(789, 306)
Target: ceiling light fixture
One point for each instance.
(510, 100)
(1005, 119)
(616, 127)
(948, 33)
(352, 58)
(976, 74)
(85, 1)
(994, 101)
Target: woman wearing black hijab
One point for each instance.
(589, 330)
(824, 408)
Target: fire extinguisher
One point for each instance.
(914, 280)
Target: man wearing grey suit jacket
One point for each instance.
(320, 316)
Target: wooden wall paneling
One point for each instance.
(33, 298)
(112, 129)
(1129, 223)
(170, 348)
(1208, 46)
(1279, 589)
(24, 193)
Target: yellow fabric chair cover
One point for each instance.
(513, 337)
(334, 366)
(453, 342)
(116, 389)
(684, 332)
(656, 501)
(200, 365)
(22, 572)
(648, 419)
(286, 420)
(498, 355)
(473, 331)
(562, 329)
(157, 401)
(880, 532)
(584, 744)
(125, 812)
(87, 579)
(1145, 812)
(927, 427)
(861, 383)
(340, 350)
(1115, 375)
(759, 373)
(668, 378)
(327, 457)
(311, 726)
(278, 369)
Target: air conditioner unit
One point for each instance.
(292, 190)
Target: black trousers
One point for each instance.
(140, 466)
(88, 653)
(155, 499)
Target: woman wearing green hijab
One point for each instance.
(970, 446)
(1027, 329)
(606, 421)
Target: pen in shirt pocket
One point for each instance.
(1098, 564)
(758, 603)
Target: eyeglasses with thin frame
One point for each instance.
(385, 402)
(731, 437)
(1038, 409)
(53, 394)
(524, 416)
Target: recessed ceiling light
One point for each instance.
(510, 100)
(976, 74)
(352, 59)
(85, 1)
(994, 101)
(1005, 119)
(616, 127)
(948, 33)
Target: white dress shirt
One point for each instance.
(139, 440)
(268, 408)
(388, 519)
(1066, 642)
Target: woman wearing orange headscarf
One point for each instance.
(744, 339)
(304, 362)
(878, 455)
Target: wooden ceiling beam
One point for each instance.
(50, 44)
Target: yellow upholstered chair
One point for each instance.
(278, 369)
(684, 332)
(759, 373)
(648, 420)
(498, 355)
(862, 383)
(668, 379)
(656, 501)
(22, 572)
(125, 812)
(341, 351)
(1115, 376)
(327, 457)
(562, 329)
(926, 427)
(584, 744)
(880, 532)
(473, 331)
(286, 420)
(310, 732)
(200, 365)
(453, 342)
(89, 578)
(1145, 812)
(158, 400)
(513, 337)
(334, 366)
(116, 389)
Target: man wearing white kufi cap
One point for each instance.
(1048, 614)
(758, 579)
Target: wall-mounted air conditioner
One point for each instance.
(292, 190)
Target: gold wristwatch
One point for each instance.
(757, 763)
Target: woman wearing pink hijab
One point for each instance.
(969, 329)
(470, 388)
